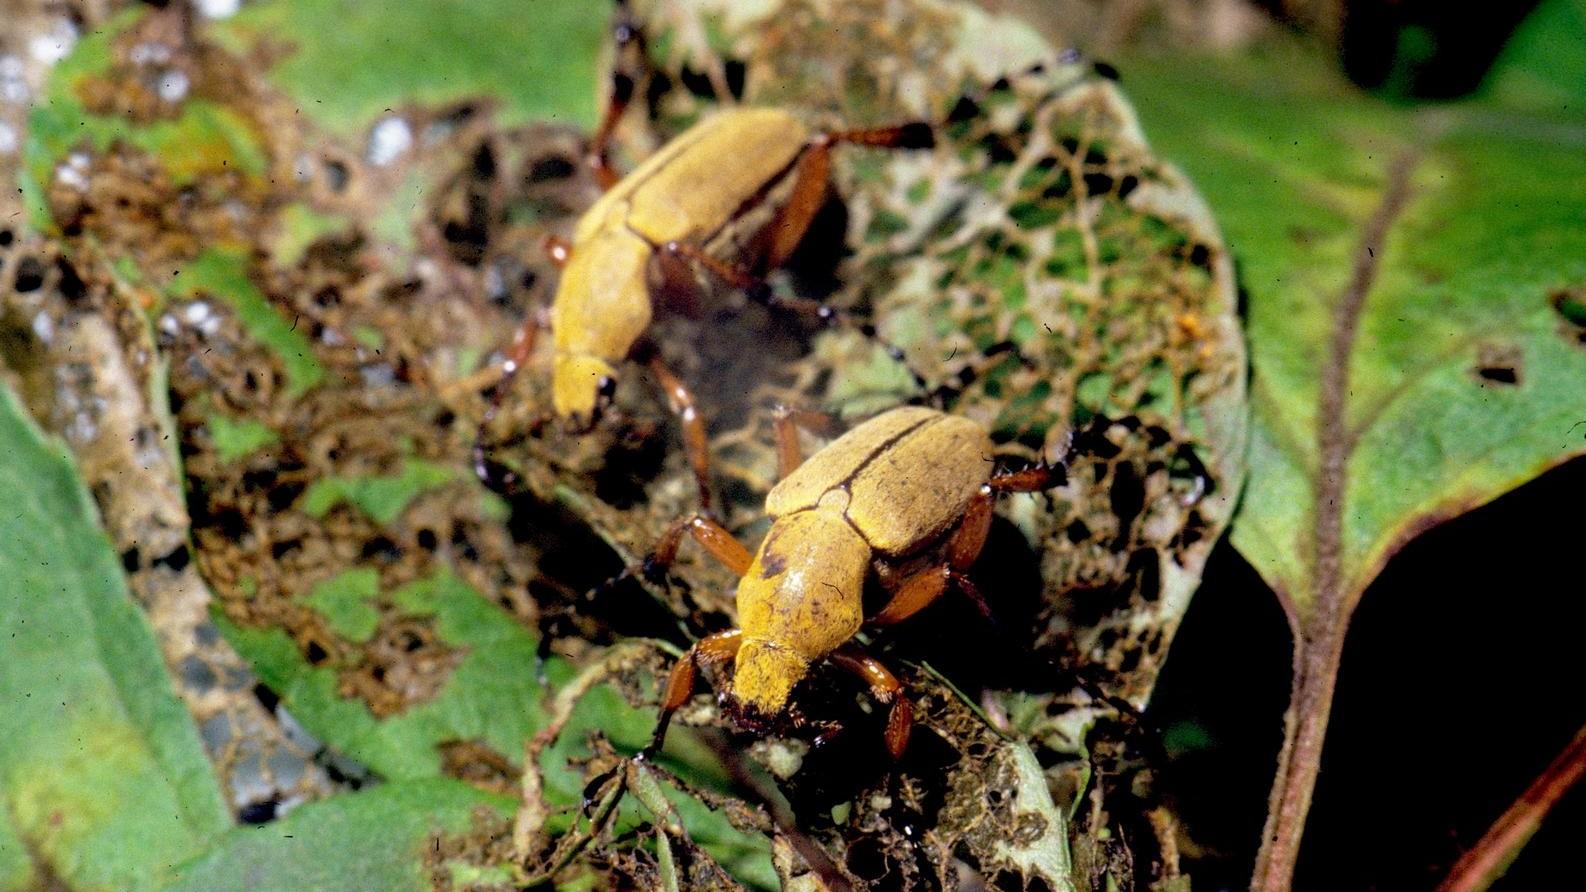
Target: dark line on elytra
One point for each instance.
(847, 482)
(1333, 438)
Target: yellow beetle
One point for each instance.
(670, 217)
(905, 498)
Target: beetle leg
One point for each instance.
(921, 591)
(912, 135)
(719, 647)
(1032, 479)
(712, 536)
(813, 169)
(787, 420)
(759, 290)
(629, 42)
(695, 442)
(885, 687)
(915, 594)
(558, 249)
(517, 356)
(810, 176)
(923, 588)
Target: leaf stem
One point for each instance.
(1492, 855)
(1319, 634)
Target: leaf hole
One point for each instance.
(1498, 364)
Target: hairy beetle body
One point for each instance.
(687, 192)
(905, 498)
(916, 471)
(731, 197)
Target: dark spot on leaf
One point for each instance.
(552, 167)
(176, 560)
(266, 697)
(262, 812)
(71, 285)
(30, 276)
(1302, 236)
(1499, 364)
(336, 175)
(1077, 531)
(315, 653)
(382, 548)
(1570, 304)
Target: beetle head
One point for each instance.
(764, 676)
(581, 389)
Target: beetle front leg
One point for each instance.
(716, 539)
(517, 356)
(971, 371)
(695, 439)
(885, 687)
(720, 647)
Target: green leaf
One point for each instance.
(490, 696)
(1413, 275)
(357, 842)
(344, 600)
(102, 776)
(222, 272)
(1401, 265)
(1544, 64)
(16, 868)
(349, 62)
(239, 438)
(382, 498)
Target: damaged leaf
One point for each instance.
(462, 670)
(103, 778)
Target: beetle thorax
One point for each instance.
(800, 600)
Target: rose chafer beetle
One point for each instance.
(905, 499)
(677, 215)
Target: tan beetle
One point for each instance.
(904, 498)
(672, 216)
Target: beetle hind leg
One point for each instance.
(922, 589)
